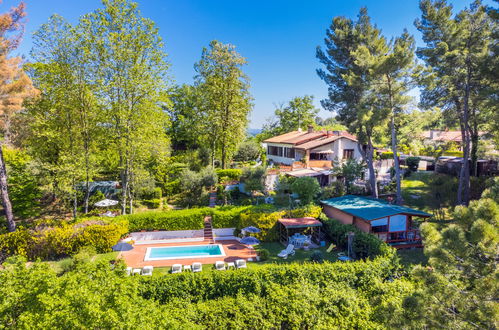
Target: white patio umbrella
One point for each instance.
(106, 202)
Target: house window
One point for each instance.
(379, 229)
(318, 156)
(281, 151)
(289, 152)
(274, 151)
(347, 153)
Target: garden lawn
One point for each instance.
(274, 249)
(416, 191)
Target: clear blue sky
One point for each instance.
(278, 37)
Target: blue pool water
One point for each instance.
(187, 251)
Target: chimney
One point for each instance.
(310, 129)
(337, 133)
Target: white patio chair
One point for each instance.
(176, 268)
(197, 267)
(289, 250)
(241, 263)
(147, 270)
(129, 271)
(220, 265)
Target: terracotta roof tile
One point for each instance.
(300, 222)
(301, 140)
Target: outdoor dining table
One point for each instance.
(298, 240)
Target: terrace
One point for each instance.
(232, 249)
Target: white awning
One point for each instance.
(322, 152)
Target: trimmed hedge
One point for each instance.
(365, 245)
(61, 241)
(215, 285)
(187, 219)
(262, 216)
(453, 153)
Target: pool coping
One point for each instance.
(148, 252)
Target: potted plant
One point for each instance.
(306, 245)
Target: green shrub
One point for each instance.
(317, 257)
(102, 238)
(17, 243)
(307, 189)
(61, 241)
(453, 153)
(386, 155)
(413, 163)
(230, 174)
(365, 245)
(24, 185)
(228, 216)
(264, 254)
(152, 203)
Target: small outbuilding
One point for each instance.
(290, 226)
(393, 224)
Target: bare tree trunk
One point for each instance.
(213, 153)
(87, 191)
(4, 190)
(124, 188)
(370, 165)
(87, 172)
(474, 136)
(398, 197)
(396, 165)
(75, 202)
(130, 193)
(463, 191)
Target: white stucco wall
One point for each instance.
(336, 146)
(278, 159)
(345, 143)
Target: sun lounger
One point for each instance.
(220, 265)
(177, 268)
(241, 263)
(289, 250)
(147, 270)
(197, 267)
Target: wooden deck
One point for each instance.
(232, 248)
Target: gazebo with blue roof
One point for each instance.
(391, 223)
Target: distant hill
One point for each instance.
(254, 131)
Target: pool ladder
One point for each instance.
(208, 230)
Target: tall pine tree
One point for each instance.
(351, 93)
(457, 48)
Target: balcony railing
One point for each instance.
(320, 163)
(411, 235)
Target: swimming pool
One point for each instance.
(184, 252)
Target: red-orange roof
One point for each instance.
(300, 222)
(308, 140)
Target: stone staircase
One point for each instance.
(208, 230)
(213, 199)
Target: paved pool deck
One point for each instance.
(232, 248)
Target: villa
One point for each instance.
(312, 153)
(393, 224)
